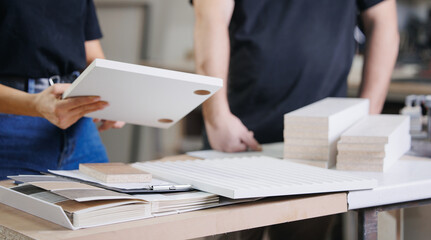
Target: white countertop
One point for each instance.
(408, 180)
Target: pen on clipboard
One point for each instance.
(170, 187)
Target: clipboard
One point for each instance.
(156, 185)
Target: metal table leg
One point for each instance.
(367, 224)
(368, 217)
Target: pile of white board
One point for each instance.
(311, 133)
(374, 144)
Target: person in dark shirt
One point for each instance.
(43, 41)
(276, 56)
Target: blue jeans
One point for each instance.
(30, 145)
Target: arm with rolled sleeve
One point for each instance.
(225, 131)
(381, 30)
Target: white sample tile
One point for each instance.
(301, 127)
(306, 141)
(255, 177)
(142, 95)
(306, 149)
(361, 147)
(377, 129)
(393, 153)
(361, 154)
(306, 156)
(360, 167)
(324, 120)
(313, 152)
(306, 134)
(315, 163)
(389, 130)
(360, 160)
(337, 113)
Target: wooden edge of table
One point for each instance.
(17, 224)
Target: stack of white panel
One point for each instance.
(374, 143)
(311, 133)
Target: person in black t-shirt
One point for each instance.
(276, 56)
(42, 40)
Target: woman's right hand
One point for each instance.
(64, 112)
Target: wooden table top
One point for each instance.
(16, 224)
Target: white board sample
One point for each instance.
(390, 132)
(378, 129)
(142, 95)
(336, 113)
(315, 163)
(255, 177)
(311, 132)
(361, 147)
(306, 142)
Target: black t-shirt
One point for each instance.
(286, 54)
(45, 37)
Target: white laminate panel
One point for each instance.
(142, 95)
(407, 180)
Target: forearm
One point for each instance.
(93, 50)
(212, 48)
(214, 63)
(212, 58)
(13, 101)
(379, 62)
(381, 52)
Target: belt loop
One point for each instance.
(31, 85)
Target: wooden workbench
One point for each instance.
(15, 224)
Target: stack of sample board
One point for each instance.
(311, 133)
(374, 143)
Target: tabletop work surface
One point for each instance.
(15, 224)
